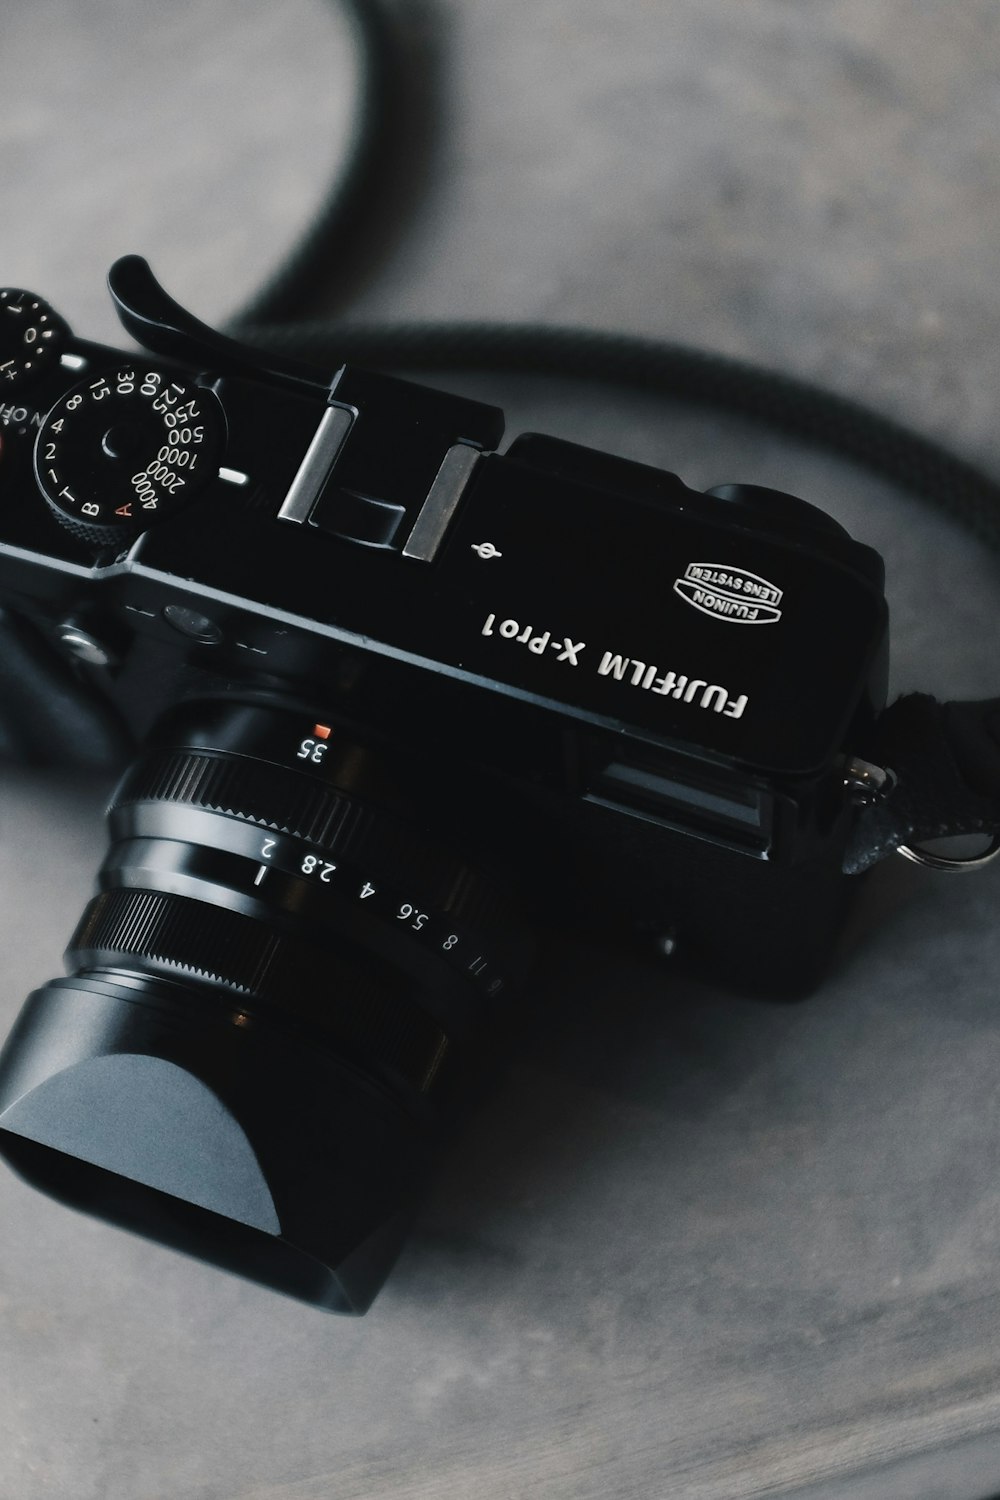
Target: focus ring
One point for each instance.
(357, 1004)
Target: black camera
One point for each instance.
(401, 700)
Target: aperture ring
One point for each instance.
(321, 815)
(359, 1005)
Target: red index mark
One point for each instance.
(322, 731)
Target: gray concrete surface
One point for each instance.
(696, 1247)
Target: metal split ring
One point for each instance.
(948, 862)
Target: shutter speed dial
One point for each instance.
(118, 454)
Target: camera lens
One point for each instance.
(274, 998)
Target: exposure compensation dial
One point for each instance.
(31, 335)
(121, 452)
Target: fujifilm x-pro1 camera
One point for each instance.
(401, 701)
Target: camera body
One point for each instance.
(353, 639)
(638, 696)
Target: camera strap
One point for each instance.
(943, 758)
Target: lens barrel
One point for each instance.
(277, 993)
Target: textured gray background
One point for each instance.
(695, 1247)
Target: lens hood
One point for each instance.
(197, 1125)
